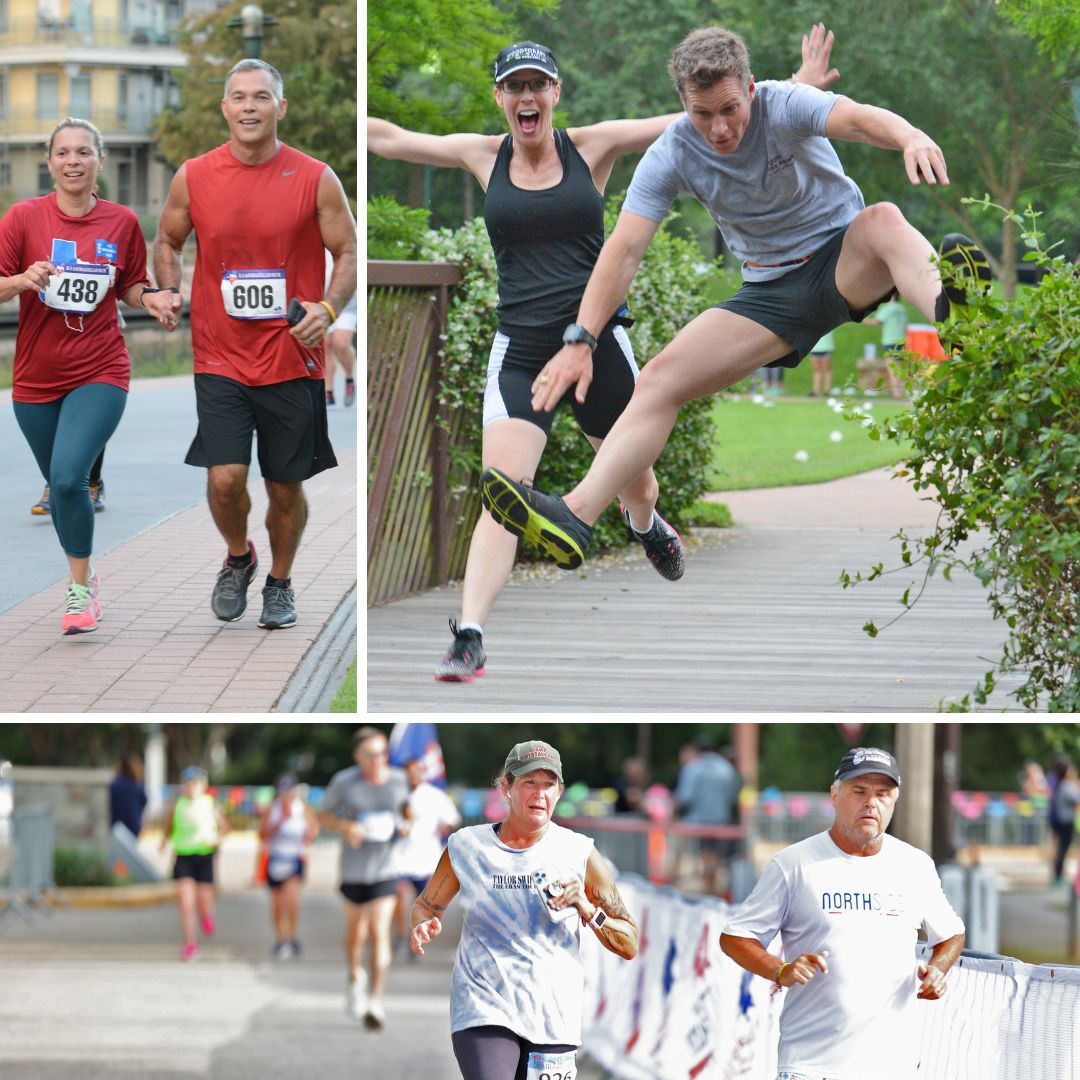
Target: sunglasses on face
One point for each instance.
(517, 86)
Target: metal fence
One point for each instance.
(419, 497)
(27, 844)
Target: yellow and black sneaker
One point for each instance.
(41, 507)
(543, 520)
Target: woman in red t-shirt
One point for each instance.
(63, 254)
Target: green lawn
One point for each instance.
(756, 443)
(345, 698)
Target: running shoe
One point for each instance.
(97, 496)
(375, 1017)
(329, 399)
(190, 951)
(662, 544)
(356, 999)
(208, 925)
(350, 393)
(971, 270)
(283, 950)
(42, 505)
(464, 660)
(543, 520)
(229, 598)
(296, 947)
(279, 608)
(82, 611)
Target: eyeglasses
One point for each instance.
(374, 753)
(517, 86)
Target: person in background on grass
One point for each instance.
(127, 795)
(194, 826)
(366, 805)
(68, 256)
(821, 358)
(432, 816)
(892, 317)
(287, 826)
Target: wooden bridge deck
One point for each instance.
(758, 624)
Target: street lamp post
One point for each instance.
(252, 23)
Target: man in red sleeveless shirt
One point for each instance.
(262, 213)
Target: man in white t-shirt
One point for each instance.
(847, 904)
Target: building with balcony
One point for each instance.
(107, 61)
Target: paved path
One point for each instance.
(100, 994)
(758, 624)
(159, 648)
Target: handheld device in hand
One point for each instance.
(546, 883)
(296, 312)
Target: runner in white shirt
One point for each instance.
(847, 904)
(529, 888)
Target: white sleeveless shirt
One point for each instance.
(287, 844)
(515, 966)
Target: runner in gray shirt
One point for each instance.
(814, 257)
(365, 803)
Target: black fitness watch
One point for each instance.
(575, 333)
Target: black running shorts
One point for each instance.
(356, 893)
(199, 867)
(497, 1053)
(515, 362)
(289, 419)
(802, 306)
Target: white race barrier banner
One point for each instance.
(682, 1010)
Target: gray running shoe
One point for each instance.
(229, 598)
(279, 609)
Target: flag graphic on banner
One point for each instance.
(411, 741)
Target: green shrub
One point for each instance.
(996, 436)
(394, 231)
(709, 515)
(76, 866)
(669, 290)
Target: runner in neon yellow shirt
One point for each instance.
(194, 826)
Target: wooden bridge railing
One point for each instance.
(421, 506)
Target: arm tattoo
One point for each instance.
(613, 905)
(424, 901)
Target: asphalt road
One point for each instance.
(146, 481)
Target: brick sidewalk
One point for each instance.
(159, 648)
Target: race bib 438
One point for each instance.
(77, 287)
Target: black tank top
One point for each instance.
(546, 242)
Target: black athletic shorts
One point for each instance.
(289, 419)
(199, 867)
(364, 894)
(802, 306)
(515, 362)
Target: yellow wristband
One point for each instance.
(333, 313)
(779, 973)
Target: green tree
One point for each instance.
(314, 48)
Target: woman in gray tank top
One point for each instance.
(531, 889)
(530, 177)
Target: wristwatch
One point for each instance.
(575, 333)
(150, 288)
(599, 918)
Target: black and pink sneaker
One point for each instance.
(465, 659)
(662, 544)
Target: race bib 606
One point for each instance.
(254, 294)
(77, 287)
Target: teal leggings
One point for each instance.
(65, 436)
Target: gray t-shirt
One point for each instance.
(378, 808)
(778, 197)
